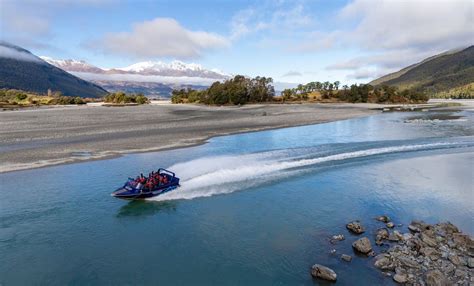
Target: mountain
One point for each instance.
(72, 65)
(175, 69)
(448, 71)
(151, 78)
(20, 69)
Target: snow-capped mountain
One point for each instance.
(73, 65)
(151, 78)
(173, 69)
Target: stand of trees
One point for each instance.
(242, 90)
(354, 93)
(24, 98)
(238, 90)
(302, 91)
(123, 98)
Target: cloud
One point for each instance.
(366, 73)
(391, 59)
(161, 37)
(393, 34)
(292, 74)
(146, 78)
(28, 22)
(389, 24)
(278, 17)
(8, 51)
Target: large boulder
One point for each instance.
(355, 227)
(362, 245)
(323, 272)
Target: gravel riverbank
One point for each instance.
(40, 137)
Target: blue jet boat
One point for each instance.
(157, 183)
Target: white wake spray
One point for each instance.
(225, 174)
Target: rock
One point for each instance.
(323, 272)
(417, 226)
(435, 278)
(455, 259)
(393, 237)
(382, 234)
(449, 228)
(470, 262)
(461, 240)
(428, 240)
(355, 227)
(383, 263)
(413, 228)
(447, 267)
(362, 245)
(429, 252)
(346, 257)
(460, 273)
(383, 218)
(407, 236)
(400, 278)
(338, 237)
(408, 262)
(390, 224)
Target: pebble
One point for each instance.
(346, 257)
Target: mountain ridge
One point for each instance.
(173, 69)
(440, 73)
(21, 69)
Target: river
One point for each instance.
(254, 209)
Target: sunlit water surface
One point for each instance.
(253, 209)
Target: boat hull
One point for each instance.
(123, 193)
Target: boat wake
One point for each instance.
(210, 176)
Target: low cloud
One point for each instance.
(292, 74)
(146, 78)
(7, 51)
(161, 37)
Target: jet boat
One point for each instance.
(157, 183)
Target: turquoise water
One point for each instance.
(253, 209)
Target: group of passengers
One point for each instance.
(153, 180)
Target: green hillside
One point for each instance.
(448, 74)
(20, 69)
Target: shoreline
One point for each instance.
(43, 137)
(118, 153)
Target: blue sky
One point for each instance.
(291, 41)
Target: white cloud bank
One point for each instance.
(161, 37)
(394, 34)
(390, 24)
(146, 78)
(17, 54)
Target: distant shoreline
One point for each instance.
(42, 137)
